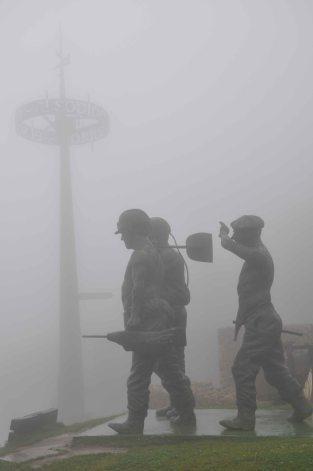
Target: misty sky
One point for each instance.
(210, 105)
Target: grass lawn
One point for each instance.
(194, 454)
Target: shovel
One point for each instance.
(199, 247)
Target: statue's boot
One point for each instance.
(302, 409)
(172, 413)
(162, 413)
(243, 421)
(132, 426)
(184, 419)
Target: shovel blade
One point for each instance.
(199, 247)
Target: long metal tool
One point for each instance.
(95, 336)
(299, 334)
(285, 331)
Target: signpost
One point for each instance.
(64, 122)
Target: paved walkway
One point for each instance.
(52, 449)
(268, 423)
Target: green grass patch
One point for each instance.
(202, 454)
(196, 454)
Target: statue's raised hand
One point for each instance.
(224, 230)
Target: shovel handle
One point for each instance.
(176, 246)
(94, 336)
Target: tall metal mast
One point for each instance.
(71, 395)
(65, 122)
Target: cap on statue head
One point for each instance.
(160, 228)
(134, 220)
(248, 222)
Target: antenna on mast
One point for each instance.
(64, 60)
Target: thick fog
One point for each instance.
(210, 108)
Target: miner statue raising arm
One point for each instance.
(261, 346)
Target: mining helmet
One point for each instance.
(248, 222)
(134, 220)
(160, 229)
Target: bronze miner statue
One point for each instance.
(176, 292)
(261, 346)
(146, 310)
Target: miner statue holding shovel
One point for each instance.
(146, 311)
(154, 294)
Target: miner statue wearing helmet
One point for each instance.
(176, 292)
(146, 310)
(261, 346)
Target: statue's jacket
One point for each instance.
(144, 306)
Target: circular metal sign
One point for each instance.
(46, 119)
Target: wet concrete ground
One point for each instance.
(268, 423)
(45, 448)
(54, 449)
